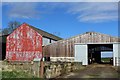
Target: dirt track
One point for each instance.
(94, 71)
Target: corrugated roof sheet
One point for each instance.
(43, 33)
(46, 34)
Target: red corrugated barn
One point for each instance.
(24, 44)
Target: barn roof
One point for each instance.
(65, 47)
(41, 32)
(45, 34)
(94, 34)
(91, 35)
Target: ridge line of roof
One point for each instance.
(43, 31)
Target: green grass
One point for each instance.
(105, 59)
(16, 74)
(94, 75)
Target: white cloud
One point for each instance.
(22, 10)
(30, 10)
(95, 12)
(84, 11)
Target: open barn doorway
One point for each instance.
(107, 57)
(100, 53)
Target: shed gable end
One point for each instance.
(24, 44)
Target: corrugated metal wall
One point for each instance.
(116, 55)
(65, 48)
(24, 44)
(81, 54)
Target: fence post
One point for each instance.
(41, 68)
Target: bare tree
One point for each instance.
(12, 25)
(5, 31)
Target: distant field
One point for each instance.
(105, 59)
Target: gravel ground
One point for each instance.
(94, 71)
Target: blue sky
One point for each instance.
(106, 54)
(64, 19)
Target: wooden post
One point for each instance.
(41, 68)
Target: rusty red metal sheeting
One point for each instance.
(24, 44)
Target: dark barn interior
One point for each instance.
(94, 52)
(3, 47)
(3, 51)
